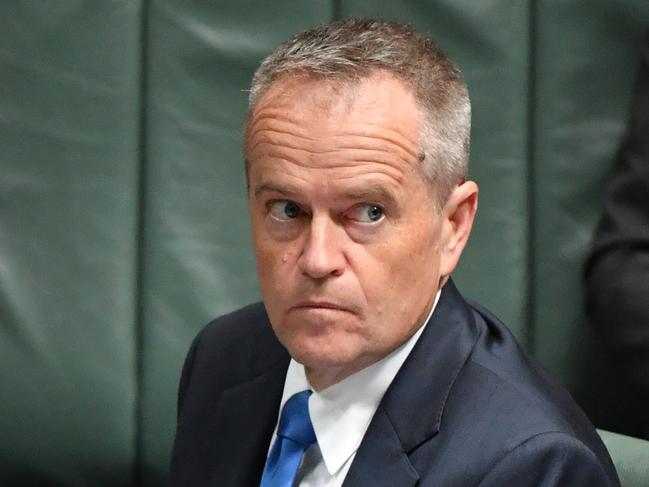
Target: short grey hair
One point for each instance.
(353, 49)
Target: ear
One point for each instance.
(458, 214)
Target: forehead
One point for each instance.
(379, 104)
(351, 129)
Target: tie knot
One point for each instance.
(295, 422)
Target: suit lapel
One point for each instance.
(411, 412)
(243, 423)
(380, 460)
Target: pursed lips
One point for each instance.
(321, 305)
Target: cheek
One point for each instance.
(271, 258)
(275, 267)
(399, 272)
(274, 242)
(421, 268)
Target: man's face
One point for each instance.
(346, 232)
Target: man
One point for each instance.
(364, 366)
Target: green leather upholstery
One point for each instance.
(631, 458)
(69, 116)
(123, 224)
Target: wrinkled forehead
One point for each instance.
(379, 98)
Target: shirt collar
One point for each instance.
(342, 412)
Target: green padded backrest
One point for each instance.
(69, 117)
(631, 458)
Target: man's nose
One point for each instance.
(322, 254)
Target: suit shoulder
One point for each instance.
(241, 338)
(555, 455)
(512, 399)
(520, 408)
(235, 347)
(236, 326)
(524, 388)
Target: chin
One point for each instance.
(319, 358)
(330, 350)
(322, 338)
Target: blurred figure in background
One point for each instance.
(617, 270)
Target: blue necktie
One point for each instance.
(294, 435)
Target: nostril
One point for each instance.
(337, 272)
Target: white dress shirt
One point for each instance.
(342, 413)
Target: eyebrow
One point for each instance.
(371, 193)
(376, 193)
(275, 188)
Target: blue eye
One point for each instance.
(368, 213)
(285, 210)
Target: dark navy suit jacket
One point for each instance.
(467, 408)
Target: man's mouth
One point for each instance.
(317, 304)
